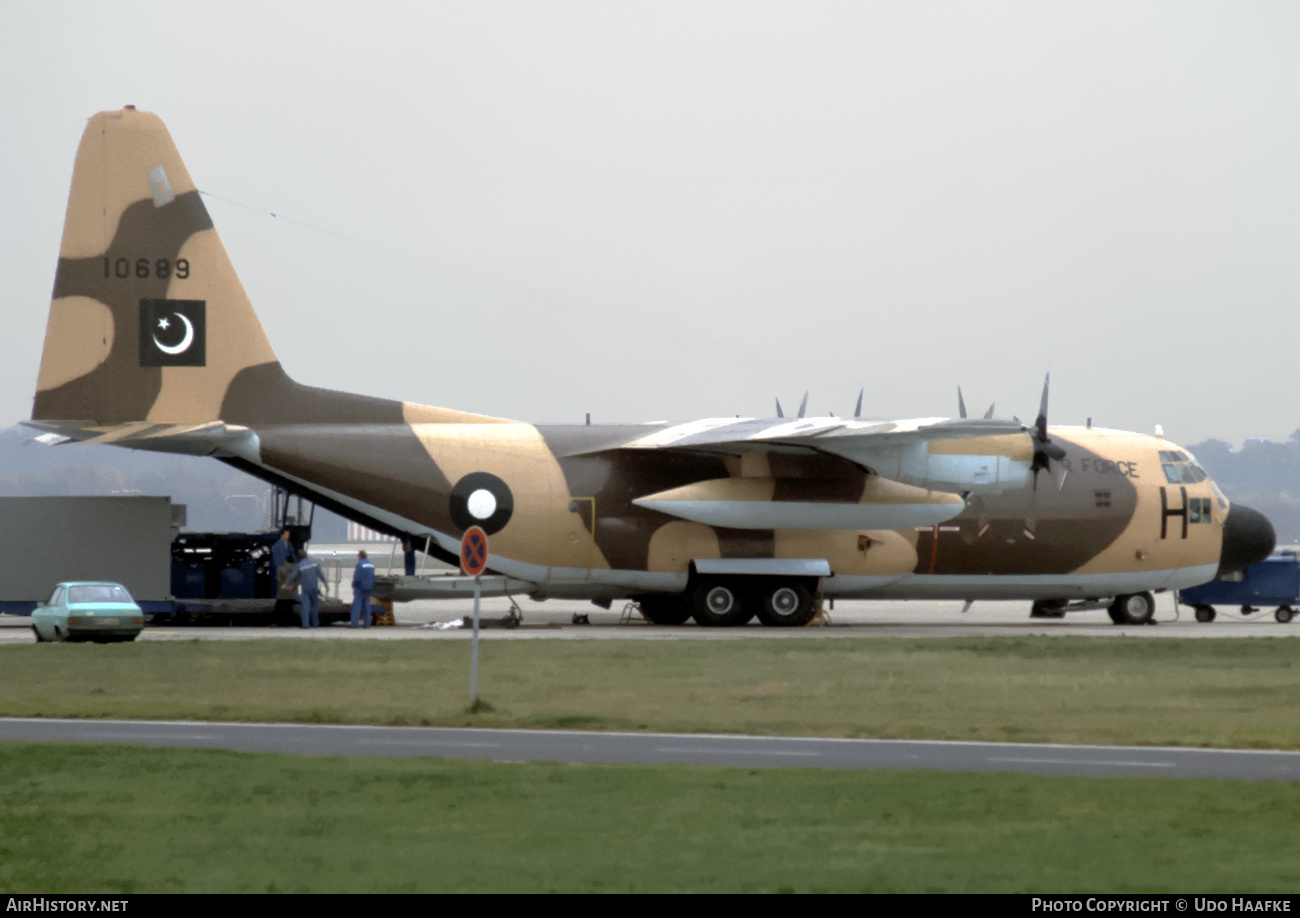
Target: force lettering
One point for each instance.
(1109, 467)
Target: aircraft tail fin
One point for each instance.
(149, 324)
(148, 320)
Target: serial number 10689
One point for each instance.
(162, 268)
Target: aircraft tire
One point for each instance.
(1284, 614)
(785, 604)
(1133, 609)
(665, 610)
(719, 604)
(1205, 614)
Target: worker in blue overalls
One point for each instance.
(282, 561)
(281, 551)
(310, 577)
(363, 581)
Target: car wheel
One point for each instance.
(58, 634)
(718, 604)
(40, 638)
(1284, 614)
(1205, 613)
(1133, 609)
(786, 605)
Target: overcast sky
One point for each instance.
(676, 210)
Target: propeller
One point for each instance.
(803, 406)
(1044, 449)
(961, 406)
(1044, 452)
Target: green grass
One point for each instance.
(1238, 693)
(111, 819)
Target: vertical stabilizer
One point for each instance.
(148, 320)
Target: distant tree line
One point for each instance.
(1263, 474)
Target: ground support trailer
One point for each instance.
(1274, 581)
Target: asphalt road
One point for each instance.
(669, 748)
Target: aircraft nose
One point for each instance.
(1248, 538)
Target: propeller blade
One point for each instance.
(1041, 422)
(857, 411)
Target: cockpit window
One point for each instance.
(1180, 468)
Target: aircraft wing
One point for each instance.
(915, 472)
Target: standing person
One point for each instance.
(281, 551)
(310, 577)
(363, 581)
(282, 562)
(285, 594)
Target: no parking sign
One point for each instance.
(473, 551)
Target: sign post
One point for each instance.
(473, 559)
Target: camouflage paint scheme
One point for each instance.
(921, 508)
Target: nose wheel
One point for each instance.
(1133, 609)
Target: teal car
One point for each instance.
(88, 611)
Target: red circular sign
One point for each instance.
(473, 551)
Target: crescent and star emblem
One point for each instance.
(185, 342)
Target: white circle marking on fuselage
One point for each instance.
(481, 504)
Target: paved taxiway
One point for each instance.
(862, 619)
(672, 749)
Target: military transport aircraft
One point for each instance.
(153, 344)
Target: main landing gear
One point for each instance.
(663, 609)
(723, 602)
